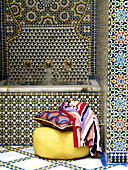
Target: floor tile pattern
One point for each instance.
(24, 158)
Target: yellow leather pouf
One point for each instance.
(54, 144)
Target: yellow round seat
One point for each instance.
(54, 144)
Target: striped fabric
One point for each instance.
(85, 125)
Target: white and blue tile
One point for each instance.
(24, 158)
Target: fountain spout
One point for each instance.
(48, 76)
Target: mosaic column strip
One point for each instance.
(117, 126)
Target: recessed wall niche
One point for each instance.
(55, 30)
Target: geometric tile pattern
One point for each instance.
(17, 111)
(58, 45)
(111, 69)
(52, 15)
(19, 15)
(24, 157)
(117, 115)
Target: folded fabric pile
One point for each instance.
(85, 125)
(80, 117)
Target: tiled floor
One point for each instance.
(24, 158)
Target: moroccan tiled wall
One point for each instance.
(111, 68)
(117, 104)
(0, 44)
(35, 31)
(114, 97)
(17, 111)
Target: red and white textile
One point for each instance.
(85, 125)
